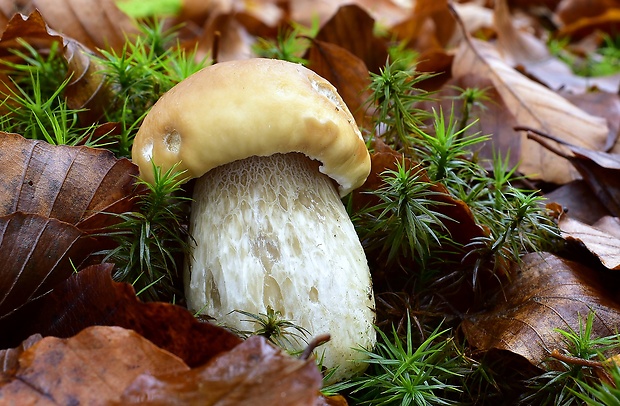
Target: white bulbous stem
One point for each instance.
(272, 231)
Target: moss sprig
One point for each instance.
(152, 241)
(408, 371)
(572, 371)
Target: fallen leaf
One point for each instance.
(92, 367)
(254, 372)
(609, 224)
(31, 28)
(570, 11)
(345, 71)
(9, 358)
(520, 48)
(578, 201)
(429, 25)
(605, 246)
(607, 22)
(91, 298)
(97, 25)
(88, 89)
(352, 28)
(605, 105)
(534, 106)
(71, 184)
(547, 293)
(599, 169)
(37, 254)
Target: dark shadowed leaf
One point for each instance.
(91, 297)
(37, 253)
(547, 293)
(577, 200)
(262, 375)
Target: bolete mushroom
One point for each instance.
(274, 148)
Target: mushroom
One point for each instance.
(274, 148)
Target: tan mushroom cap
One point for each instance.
(233, 110)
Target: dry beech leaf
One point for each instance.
(345, 71)
(605, 246)
(37, 254)
(520, 48)
(429, 25)
(88, 87)
(98, 24)
(9, 358)
(534, 106)
(352, 29)
(8, 8)
(32, 29)
(601, 104)
(609, 224)
(91, 297)
(570, 11)
(71, 184)
(578, 201)
(600, 170)
(92, 367)
(607, 22)
(35, 32)
(252, 373)
(547, 293)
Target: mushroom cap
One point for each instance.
(255, 107)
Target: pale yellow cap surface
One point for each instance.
(233, 110)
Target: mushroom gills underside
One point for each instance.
(272, 231)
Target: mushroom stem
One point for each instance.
(272, 231)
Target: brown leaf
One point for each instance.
(535, 106)
(345, 71)
(600, 170)
(588, 22)
(578, 201)
(262, 375)
(605, 246)
(91, 368)
(546, 293)
(71, 184)
(98, 24)
(521, 48)
(37, 254)
(88, 87)
(90, 298)
(352, 29)
(430, 26)
(570, 11)
(9, 358)
(32, 29)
